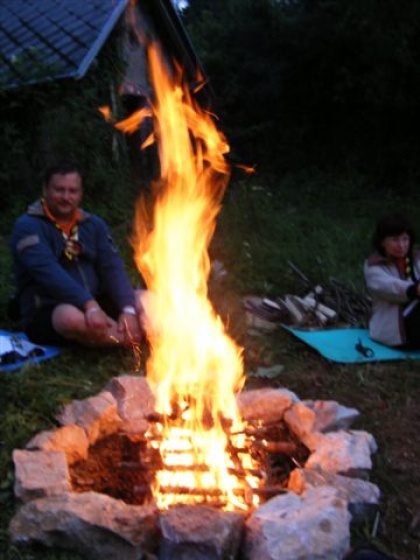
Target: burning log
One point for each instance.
(196, 467)
(177, 413)
(238, 471)
(163, 419)
(241, 472)
(212, 494)
(137, 438)
(262, 430)
(156, 418)
(284, 447)
(255, 431)
(181, 490)
(268, 492)
(205, 492)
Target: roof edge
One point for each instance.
(103, 36)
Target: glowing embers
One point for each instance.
(236, 472)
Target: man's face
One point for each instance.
(63, 194)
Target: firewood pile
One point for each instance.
(331, 304)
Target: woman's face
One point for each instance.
(396, 246)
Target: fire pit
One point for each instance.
(127, 466)
(307, 515)
(195, 459)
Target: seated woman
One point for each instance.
(392, 276)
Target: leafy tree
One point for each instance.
(322, 82)
(235, 40)
(60, 119)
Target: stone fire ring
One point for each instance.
(310, 521)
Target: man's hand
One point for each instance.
(97, 320)
(129, 326)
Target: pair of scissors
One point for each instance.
(364, 350)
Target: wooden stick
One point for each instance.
(285, 447)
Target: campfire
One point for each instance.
(188, 436)
(64, 480)
(194, 368)
(253, 458)
(131, 467)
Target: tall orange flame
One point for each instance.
(194, 365)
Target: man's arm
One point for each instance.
(111, 270)
(34, 254)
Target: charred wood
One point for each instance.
(284, 447)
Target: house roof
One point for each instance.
(44, 40)
(51, 39)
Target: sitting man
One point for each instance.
(70, 280)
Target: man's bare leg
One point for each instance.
(72, 324)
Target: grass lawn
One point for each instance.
(322, 224)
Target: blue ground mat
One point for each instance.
(350, 345)
(16, 351)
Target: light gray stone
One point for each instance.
(300, 419)
(72, 440)
(135, 401)
(307, 417)
(97, 415)
(95, 525)
(341, 451)
(362, 496)
(267, 405)
(314, 526)
(330, 415)
(40, 473)
(200, 533)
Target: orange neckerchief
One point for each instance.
(65, 227)
(70, 231)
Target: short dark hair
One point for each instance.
(392, 224)
(62, 168)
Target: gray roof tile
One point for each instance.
(50, 39)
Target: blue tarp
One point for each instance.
(16, 351)
(350, 345)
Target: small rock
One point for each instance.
(267, 405)
(341, 451)
(97, 415)
(200, 533)
(72, 440)
(96, 525)
(313, 526)
(40, 473)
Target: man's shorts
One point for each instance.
(41, 331)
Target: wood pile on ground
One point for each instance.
(332, 304)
